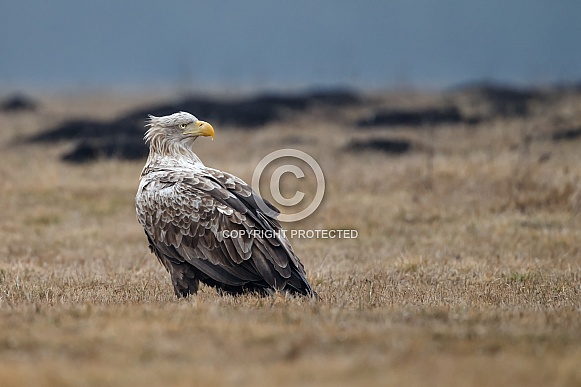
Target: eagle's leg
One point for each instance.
(184, 280)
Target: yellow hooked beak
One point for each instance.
(201, 128)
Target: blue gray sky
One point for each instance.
(64, 44)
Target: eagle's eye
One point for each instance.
(183, 126)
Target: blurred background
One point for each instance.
(448, 133)
(256, 44)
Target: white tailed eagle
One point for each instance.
(207, 225)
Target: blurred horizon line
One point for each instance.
(166, 88)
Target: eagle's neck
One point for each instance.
(175, 154)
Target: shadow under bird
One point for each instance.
(209, 226)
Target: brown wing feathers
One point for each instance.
(190, 217)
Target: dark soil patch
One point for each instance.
(17, 103)
(505, 100)
(566, 134)
(395, 147)
(121, 148)
(429, 116)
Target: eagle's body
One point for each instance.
(207, 225)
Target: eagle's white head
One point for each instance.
(175, 133)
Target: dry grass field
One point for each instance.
(466, 269)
